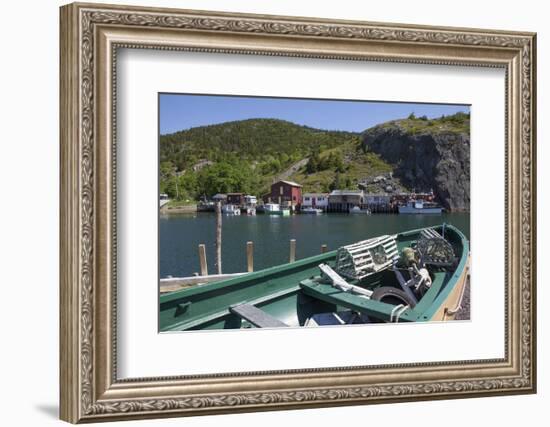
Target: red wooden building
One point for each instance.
(286, 193)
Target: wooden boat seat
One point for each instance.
(256, 316)
(359, 303)
(337, 318)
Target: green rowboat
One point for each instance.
(414, 276)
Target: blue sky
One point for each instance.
(179, 111)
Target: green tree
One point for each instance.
(314, 162)
(348, 183)
(225, 177)
(336, 183)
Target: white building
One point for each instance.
(315, 200)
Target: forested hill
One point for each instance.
(247, 156)
(276, 142)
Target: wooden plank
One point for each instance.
(372, 308)
(341, 284)
(256, 316)
(430, 233)
(202, 260)
(172, 284)
(370, 243)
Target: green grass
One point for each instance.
(178, 203)
(457, 123)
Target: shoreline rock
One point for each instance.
(434, 159)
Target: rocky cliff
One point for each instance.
(427, 155)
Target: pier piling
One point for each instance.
(250, 256)
(202, 260)
(219, 237)
(292, 250)
(324, 248)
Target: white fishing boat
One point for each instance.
(420, 207)
(358, 210)
(273, 209)
(163, 199)
(311, 211)
(231, 210)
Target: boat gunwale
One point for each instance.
(171, 296)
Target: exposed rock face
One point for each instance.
(432, 159)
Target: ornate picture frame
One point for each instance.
(90, 37)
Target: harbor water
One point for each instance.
(180, 235)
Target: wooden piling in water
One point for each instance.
(250, 256)
(202, 260)
(324, 248)
(292, 256)
(219, 237)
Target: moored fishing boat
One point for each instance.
(272, 209)
(311, 211)
(414, 276)
(420, 207)
(358, 210)
(231, 210)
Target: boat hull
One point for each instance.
(452, 303)
(413, 210)
(311, 211)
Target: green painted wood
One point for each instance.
(378, 309)
(212, 301)
(257, 317)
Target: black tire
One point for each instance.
(391, 295)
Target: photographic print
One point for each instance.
(270, 184)
(281, 212)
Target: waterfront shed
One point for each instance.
(381, 202)
(286, 193)
(344, 200)
(315, 200)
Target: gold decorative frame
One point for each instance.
(90, 36)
